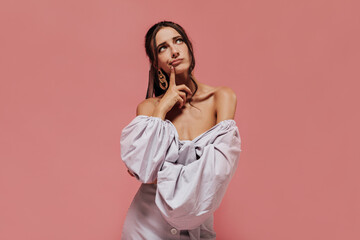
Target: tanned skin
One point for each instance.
(210, 105)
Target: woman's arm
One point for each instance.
(175, 94)
(144, 146)
(146, 108)
(187, 195)
(157, 108)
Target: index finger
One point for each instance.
(172, 76)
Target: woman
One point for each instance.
(183, 145)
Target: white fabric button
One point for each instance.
(173, 231)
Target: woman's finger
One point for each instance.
(172, 76)
(183, 97)
(181, 102)
(183, 87)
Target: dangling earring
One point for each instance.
(162, 80)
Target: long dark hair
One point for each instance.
(153, 86)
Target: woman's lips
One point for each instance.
(176, 62)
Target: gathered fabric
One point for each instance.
(192, 177)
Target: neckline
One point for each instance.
(197, 137)
(201, 134)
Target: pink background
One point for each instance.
(73, 72)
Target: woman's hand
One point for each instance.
(174, 94)
(131, 174)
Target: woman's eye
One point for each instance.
(177, 40)
(160, 49)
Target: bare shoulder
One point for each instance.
(147, 106)
(225, 92)
(225, 103)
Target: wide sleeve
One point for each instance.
(144, 144)
(187, 195)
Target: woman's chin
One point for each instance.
(180, 69)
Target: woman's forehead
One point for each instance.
(165, 34)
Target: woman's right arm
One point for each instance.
(173, 95)
(146, 140)
(144, 144)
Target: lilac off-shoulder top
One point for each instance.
(192, 177)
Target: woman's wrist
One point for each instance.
(159, 112)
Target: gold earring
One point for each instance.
(162, 80)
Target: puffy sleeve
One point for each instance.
(187, 195)
(144, 144)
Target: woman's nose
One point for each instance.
(174, 52)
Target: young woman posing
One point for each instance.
(183, 145)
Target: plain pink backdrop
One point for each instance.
(72, 73)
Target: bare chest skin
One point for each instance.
(192, 121)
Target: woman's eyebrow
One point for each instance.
(165, 42)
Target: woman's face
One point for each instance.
(170, 46)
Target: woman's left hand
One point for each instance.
(134, 176)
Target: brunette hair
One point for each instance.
(150, 47)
